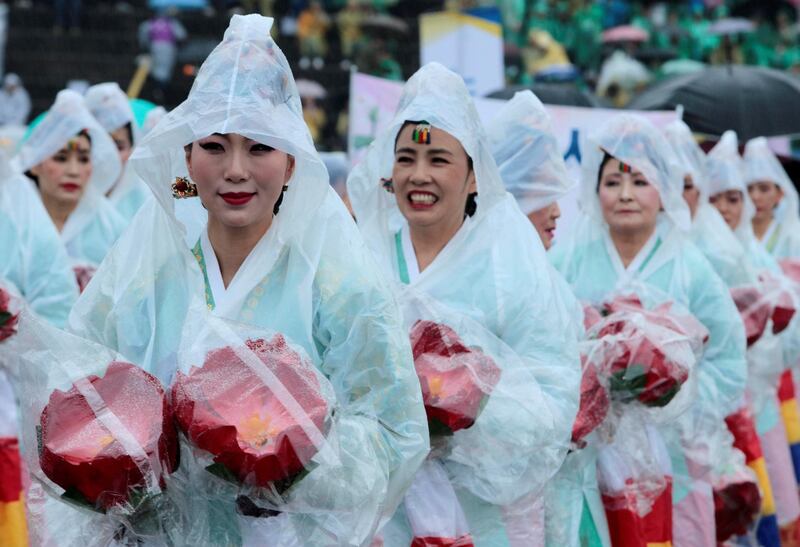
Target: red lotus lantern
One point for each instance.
(754, 309)
(456, 380)
(225, 408)
(736, 507)
(639, 348)
(88, 460)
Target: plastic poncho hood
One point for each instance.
(66, 118)
(245, 86)
(726, 172)
(527, 154)
(760, 164)
(690, 156)
(637, 142)
(110, 106)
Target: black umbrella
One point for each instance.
(753, 101)
(566, 94)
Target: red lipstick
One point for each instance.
(237, 198)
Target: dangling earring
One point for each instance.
(280, 200)
(183, 188)
(388, 185)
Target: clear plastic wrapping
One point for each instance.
(98, 438)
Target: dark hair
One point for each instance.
(85, 133)
(129, 128)
(606, 158)
(472, 203)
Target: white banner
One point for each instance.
(373, 102)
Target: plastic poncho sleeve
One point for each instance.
(548, 351)
(381, 425)
(42, 272)
(722, 373)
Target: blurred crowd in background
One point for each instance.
(611, 48)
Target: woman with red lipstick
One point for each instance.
(444, 229)
(277, 251)
(633, 237)
(73, 162)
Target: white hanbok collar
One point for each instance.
(213, 271)
(412, 266)
(409, 258)
(637, 264)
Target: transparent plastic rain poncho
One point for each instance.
(33, 259)
(782, 239)
(670, 263)
(110, 106)
(709, 231)
(495, 272)
(533, 171)
(527, 153)
(94, 225)
(310, 279)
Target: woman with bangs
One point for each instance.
(234, 172)
(73, 162)
(633, 238)
(432, 207)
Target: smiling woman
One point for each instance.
(452, 237)
(233, 169)
(241, 184)
(433, 185)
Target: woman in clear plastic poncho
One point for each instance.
(530, 164)
(34, 266)
(33, 260)
(769, 355)
(633, 232)
(110, 106)
(776, 221)
(533, 171)
(241, 135)
(75, 162)
(490, 267)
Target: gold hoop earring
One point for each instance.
(183, 188)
